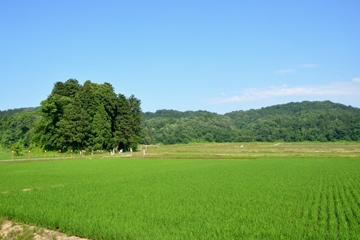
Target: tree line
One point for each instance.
(92, 116)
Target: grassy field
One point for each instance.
(214, 151)
(195, 191)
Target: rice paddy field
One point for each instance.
(193, 191)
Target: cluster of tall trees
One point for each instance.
(89, 116)
(74, 116)
(292, 122)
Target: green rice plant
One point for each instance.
(159, 198)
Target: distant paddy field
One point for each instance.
(193, 191)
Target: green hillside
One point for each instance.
(291, 122)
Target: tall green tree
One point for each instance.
(135, 120)
(67, 89)
(73, 128)
(101, 130)
(123, 121)
(46, 130)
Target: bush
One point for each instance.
(17, 148)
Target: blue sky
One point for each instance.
(219, 56)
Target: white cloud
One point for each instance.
(357, 80)
(287, 71)
(308, 65)
(338, 89)
(282, 72)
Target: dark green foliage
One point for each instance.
(189, 129)
(94, 117)
(135, 121)
(68, 88)
(77, 117)
(15, 126)
(292, 122)
(127, 122)
(101, 129)
(176, 114)
(90, 117)
(73, 129)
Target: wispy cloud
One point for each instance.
(287, 71)
(308, 65)
(348, 89)
(292, 70)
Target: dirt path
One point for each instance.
(10, 230)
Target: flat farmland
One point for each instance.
(194, 191)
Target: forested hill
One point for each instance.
(176, 114)
(296, 108)
(304, 121)
(15, 125)
(17, 110)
